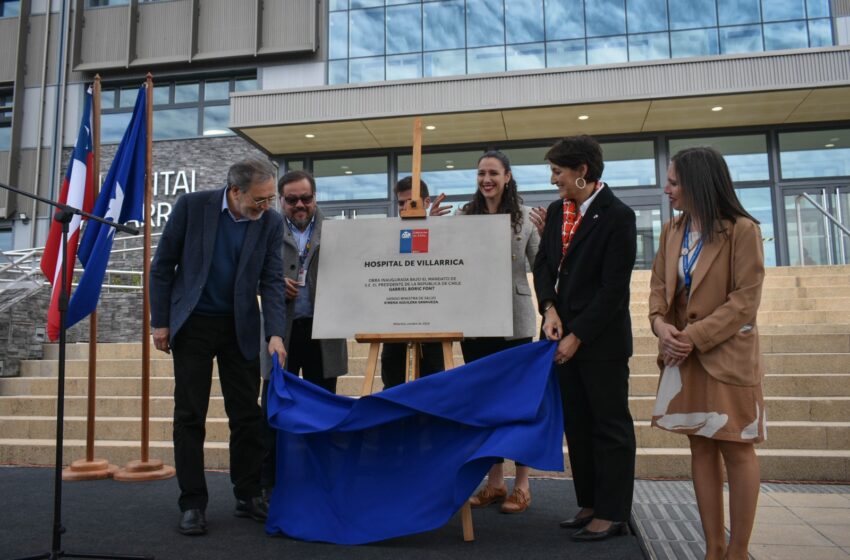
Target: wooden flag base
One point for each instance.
(139, 471)
(96, 469)
(412, 357)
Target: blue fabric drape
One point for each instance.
(403, 461)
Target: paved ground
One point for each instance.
(794, 521)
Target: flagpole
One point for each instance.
(91, 468)
(146, 468)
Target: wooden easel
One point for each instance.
(414, 343)
(415, 209)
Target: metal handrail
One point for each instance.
(826, 214)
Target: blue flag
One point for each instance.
(121, 199)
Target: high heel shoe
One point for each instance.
(616, 529)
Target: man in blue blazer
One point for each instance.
(219, 249)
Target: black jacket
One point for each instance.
(593, 295)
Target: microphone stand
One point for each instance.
(64, 214)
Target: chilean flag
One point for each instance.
(78, 192)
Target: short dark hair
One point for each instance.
(406, 184)
(293, 176)
(575, 151)
(707, 189)
(246, 172)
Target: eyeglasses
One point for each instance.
(262, 201)
(293, 200)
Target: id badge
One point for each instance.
(302, 276)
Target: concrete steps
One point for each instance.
(805, 337)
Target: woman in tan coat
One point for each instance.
(705, 292)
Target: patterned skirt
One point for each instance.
(695, 403)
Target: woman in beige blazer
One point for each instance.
(497, 194)
(705, 292)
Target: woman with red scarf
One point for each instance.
(581, 275)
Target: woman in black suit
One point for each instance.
(581, 275)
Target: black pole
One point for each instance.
(63, 215)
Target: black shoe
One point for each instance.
(576, 522)
(193, 522)
(616, 529)
(255, 508)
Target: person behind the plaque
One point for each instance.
(704, 296)
(582, 276)
(497, 194)
(219, 249)
(318, 361)
(394, 354)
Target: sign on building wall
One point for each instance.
(450, 274)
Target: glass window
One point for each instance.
(338, 72)
(102, 3)
(565, 53)
(775, 10)
(649, 46)
(351, 178)
(648, 222)
(689, 14)
(741, 39)
(128, 97)
(404, 66)
(820, 32)
(629, 164)
(746, 156)
(819, 153)
(338, 5)
(524, 21)
(245, 84)
(161, 95)
(647, 15)
(564, 19)
(175, 123)
(366, 3)
(759, 203)
(6, 239)
(530, 170)
(736, 12)
(113, 125)
(786, 35)
(817, 8)
(219, 89)
(606, 50)
(485, 23)
(487, 59)
(366, 69)
(526, 57)
(366, 33)
(107, 98)
(186, 93)
(10, 9)
(605, 17)
(452, 173)
(444, 63)
(443, 25)
(5, 137)
(338, 35)
(696, 42)
(216, 120)
(404, 29)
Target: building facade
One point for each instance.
(334, 86)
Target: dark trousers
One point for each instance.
(600, 435)
(196, 344)
(394, 367)
(477, 348)
(304, 357)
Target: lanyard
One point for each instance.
(689, 260)
(302, 252)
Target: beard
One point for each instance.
(301, 220)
